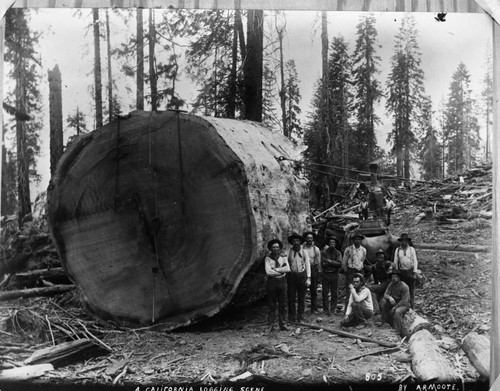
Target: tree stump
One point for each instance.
(164, 217)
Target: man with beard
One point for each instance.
(331, 262)
(396, 301)
(276, 269)
(315, 262)
(298, 279)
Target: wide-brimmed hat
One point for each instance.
(309, 233)
(360, 276)
(357, 234)
(404, 236)
(271, 242)
(380, 251)
(295, 235)
(332, 237)
(394, 271)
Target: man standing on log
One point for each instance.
(315, 262)
(396, 301)
(405, 259)
(389, 206)
(276, 270)
(381, 279)
(298, 279)
(331, 262)
(363, 208)
(360, 306)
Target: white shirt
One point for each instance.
(354, 257)
(406, 259)
(365, 299)
(299, 261)
(276, 268)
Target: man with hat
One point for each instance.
(389, 206)
(315, 262)
(331, 262)
(354, 257)
(360, 306)
(276, 269)
(298, 279)
(380, 277)
(396, 301)
(405, 259)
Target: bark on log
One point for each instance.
(161, 219)
(34, 292)
(428, 363)
(452, 247)
(477, 348)
(67, 353)
(413, 322)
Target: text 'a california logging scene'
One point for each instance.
(238, 197)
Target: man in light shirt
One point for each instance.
(276, 270)
(389, 206)
(354, 257)
(405, 259)
(315, 262)
(360, 306)
(298, 279)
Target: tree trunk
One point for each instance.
(56, 121)
(23, 178)
(241, 34)
(231, 102)
(412, 322)
(427, 361)
(153, 232)
(477, 348)
(140, 62)
(282, 92)
(152, 68)
(110, 74)
(253, 66)
(97, 69)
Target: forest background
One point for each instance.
(342, 106)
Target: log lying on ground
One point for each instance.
(453, 247)
(477, 349)
(349, 335)
(29, 279)
(34, 292)
(413, 322)
(68, 353)
(428, 363)
(160, 219)
(25, 373)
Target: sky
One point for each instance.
(462, 38)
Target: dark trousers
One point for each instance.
(276, 297)
(377, 291)
(329, 285)
(315, 275)
(408, 279)
(359, 314)
(296, 288)
(391, 315)
(388, 221)
(364, 214)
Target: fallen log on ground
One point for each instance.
(452, 247)
(477, 349)
(68, 353)
(427, 361)
(35, 292)
(413, 322)
(30, 278)
(375, 353)
(164, 217)
(349, 335)
(25, 373)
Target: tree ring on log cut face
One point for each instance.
(154, 233)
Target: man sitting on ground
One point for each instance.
(360, 306)
(396, 301)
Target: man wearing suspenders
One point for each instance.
(315, 262)
(298, 279)
(405, 260)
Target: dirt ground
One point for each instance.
(455, 298)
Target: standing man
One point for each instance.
(396, 301)
(354, 257)
(405, 259)
(360, 306)
(276, 270)
(331, 262)
(381, 279)
(363, 208)
(389, 206)
(298, 279)
(315, 261)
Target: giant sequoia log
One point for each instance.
(164, 217)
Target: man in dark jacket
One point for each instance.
(331, 262)
(381, 279)
(396, 301)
